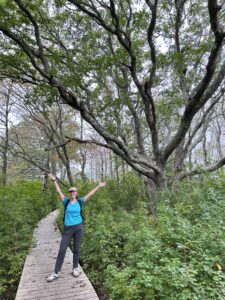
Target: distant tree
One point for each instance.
(6, 103)
(39, 138)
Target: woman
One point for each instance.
(73, 226)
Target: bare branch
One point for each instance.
(201, 170)
(200, 123)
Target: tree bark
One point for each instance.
(6, 108)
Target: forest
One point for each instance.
(130, 92)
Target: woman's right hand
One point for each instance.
(53, 178)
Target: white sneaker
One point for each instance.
(76, 272)
(52, 277)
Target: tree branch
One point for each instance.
(199, 170)
(218, 29)
(31, 53)
(37, 35)
(197, 100)
(131, 161)
(125, 41)
(179, 5)
(200, 123)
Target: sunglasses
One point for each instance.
(72, 191)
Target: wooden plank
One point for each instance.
(40, 264)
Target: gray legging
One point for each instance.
(76, 232)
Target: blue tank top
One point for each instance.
(72, 214)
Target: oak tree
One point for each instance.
(144, 74)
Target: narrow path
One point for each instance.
(40, 263)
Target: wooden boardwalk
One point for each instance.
(40, 264)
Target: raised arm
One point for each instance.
(92, 192)
(58, 190)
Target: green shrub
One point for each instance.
(177, 255)
(22, 205)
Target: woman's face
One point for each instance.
(73, 194)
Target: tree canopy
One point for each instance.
(146, 75)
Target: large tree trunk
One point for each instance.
(153, 187)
